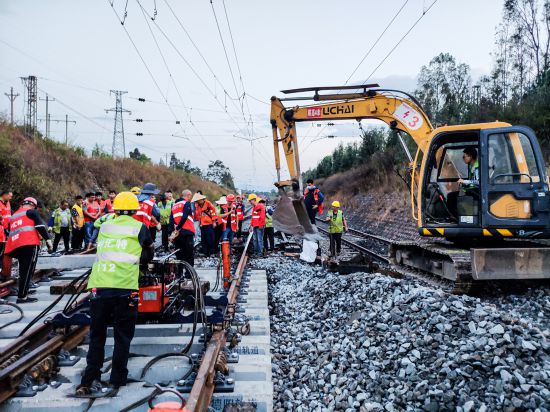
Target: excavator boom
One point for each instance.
(397, 109)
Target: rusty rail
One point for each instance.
(203, 388)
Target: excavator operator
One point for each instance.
(470, 185)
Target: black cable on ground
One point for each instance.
(55, 302)
(163, 356)
(13, 305)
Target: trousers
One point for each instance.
(258, 234)
(185, 244)
(269, 235)
(335, 243)
(207, 240)
(65, 234)
(115, 308)
(27, 257)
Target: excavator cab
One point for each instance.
(511, 196)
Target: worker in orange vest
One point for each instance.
(5, 216)
(26, 228)
(206, 214)
(229, 214)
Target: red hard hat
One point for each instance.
(230, 198)
(31, 200)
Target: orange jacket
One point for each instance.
(205, 214)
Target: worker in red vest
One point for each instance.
(149, 212)
(313, 200)
(239, 207)
(184, 228)
(101, 202)
(109, 203)
(257, 223)
(26, 228)
(5, 216)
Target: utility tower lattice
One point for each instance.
(119, 146)
(31, 95)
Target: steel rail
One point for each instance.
(360, 248)
(203, 388)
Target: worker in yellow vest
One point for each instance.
(337, 224)
(123, 243)
(77, 217)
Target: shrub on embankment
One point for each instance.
(51, 171)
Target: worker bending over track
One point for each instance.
(26, 227)
(122, 243)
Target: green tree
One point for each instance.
(217, 172)
(137, 155)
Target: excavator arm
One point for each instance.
(397, 109)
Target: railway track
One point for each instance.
(36, 356)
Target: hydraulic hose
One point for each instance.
(13, 305)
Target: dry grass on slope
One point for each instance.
(51, 171)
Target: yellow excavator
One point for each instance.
(507, 197)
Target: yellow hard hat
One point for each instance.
(126, 201)
(252, 196)
(336, 203)
(135, 190)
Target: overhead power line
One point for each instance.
(151, 74)
(377, 40)
(424, 12)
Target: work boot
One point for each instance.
(27, 300)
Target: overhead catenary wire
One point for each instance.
(424, 12)
(174, 82)
(376, 41)
(155, 82)
(193, 70)
(241, 79)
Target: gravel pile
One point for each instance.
(369, 342)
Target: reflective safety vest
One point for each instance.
(336, 222)
(258, 216)
(205, 214)
(57, 220)
(145, 212)
(268, 220)
(177, 213)
(232, 218)
(240, 211)
(316, 198)
(118, 254)
(222, 221)
(165, 211)
(22, 231)
(109, 205)
(91, 208)
(5, 212)
(103, 219)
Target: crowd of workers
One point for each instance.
(179, 221)
(123, 228)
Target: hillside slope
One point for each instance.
(50, 171)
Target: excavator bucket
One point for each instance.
(290, 215)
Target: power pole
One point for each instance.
(12, 97)
(119, 146)
(66, 121)
(47, 100)
(31, 102)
